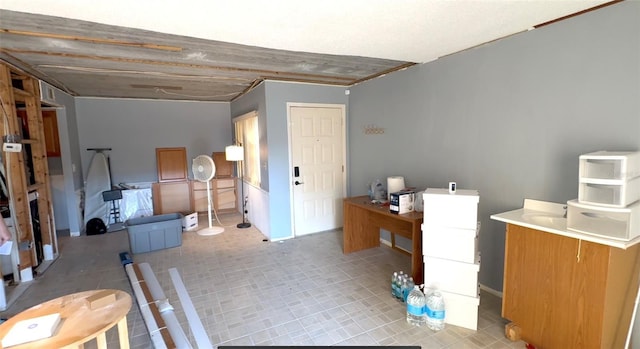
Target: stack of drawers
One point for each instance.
(608, 193)
(450, 252)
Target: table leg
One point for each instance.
(101, 340)
(123, 333)
(393, 240)
(417, 265)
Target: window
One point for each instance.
(247, 135)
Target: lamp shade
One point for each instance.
(234, 153)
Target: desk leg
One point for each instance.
(417, 265)
(359, 233)
(123, 333)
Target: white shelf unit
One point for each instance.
(450, 252)
(609, 178)
(608, 203)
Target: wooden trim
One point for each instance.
(577, 13)
(388, 71)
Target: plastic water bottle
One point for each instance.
(406, 288)
(398, 286)
(415, 307)
(394, 277)
(403, 286)
(435, 311)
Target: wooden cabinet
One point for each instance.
(51, 137)
(172, 197)
(171, 164)
(223, 195)
(563, 292)
(224, 168)
(199, 196)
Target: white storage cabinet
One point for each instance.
(450, 252)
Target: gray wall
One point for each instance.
(509, 118)
(135, 128)
(271, 99)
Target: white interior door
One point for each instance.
(317, 158)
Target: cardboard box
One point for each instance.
(402, 201)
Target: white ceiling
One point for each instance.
(413, 31)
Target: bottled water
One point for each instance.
(403, 286)
(394, 279)
(435, 311)
(406, 288)
(398, 285)
(415, 307)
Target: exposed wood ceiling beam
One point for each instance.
(261, 72)
(93, 40)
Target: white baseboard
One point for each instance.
(491, 290)
(281, 239)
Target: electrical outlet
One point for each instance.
(12, 147)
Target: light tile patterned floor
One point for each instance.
(247, 291)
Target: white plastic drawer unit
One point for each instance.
(609, 192)
(459, 210)
(190, 221)
(450, 243)
(452, 276)
(609, 165)
(609, 222)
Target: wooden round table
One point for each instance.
(84, 316)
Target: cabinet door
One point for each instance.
(224, 168)
(51, 138)
(556, 298)
(172, 164)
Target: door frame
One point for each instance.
(343, 109)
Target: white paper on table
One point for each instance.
(5, 249)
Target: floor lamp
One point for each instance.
(236, 153)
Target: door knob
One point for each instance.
(297, 183)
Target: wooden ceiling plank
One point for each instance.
(92, 40)
(14, 62)
(388, 71)
(179, 64)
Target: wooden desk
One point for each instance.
(363, 221)
(79, 323)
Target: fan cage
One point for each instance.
(203, 168)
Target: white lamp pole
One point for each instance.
(236, 153)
